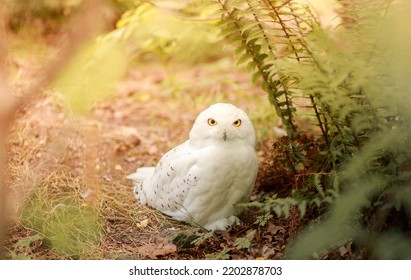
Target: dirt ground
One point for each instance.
(52, 152)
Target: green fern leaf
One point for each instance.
(302, 207)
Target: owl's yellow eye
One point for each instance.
(211, 121)
(237, 123)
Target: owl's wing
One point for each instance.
(173, 177)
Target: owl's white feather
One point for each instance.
(201, 179)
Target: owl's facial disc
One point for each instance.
(222, 122)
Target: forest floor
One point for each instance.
(60, 161)
(87, 158)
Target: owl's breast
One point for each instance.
(228, 160)
(224, 177)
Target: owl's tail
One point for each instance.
(138, 178)
(141, 174)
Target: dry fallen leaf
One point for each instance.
(343, 251)
(86, 194)
(160, 247)
(122, 138)
(273, 229)
(143, 223)
(153, 150)
(267, 252)
(131, 159)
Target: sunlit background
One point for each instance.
(105, 87)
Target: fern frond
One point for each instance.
(266, 32)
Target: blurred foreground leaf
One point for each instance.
(69, 227)
(92, 75)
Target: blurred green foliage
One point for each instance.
(91, 75)
(145, 33)
(364, 80)
(163, 30)
(69, 226)
(166, 35)
(24, 244)
(355, 80)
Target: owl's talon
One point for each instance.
(223, 224)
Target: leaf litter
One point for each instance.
(131, 132)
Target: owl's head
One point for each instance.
(222, 122)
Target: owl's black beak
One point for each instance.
(225, 136)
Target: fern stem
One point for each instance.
(323, 126)
(287, 118)
(284, 85)
(262, 29)
(298, 58)
(283, 25)
(253, 49)
(289, 160)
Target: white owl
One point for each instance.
(201, 179)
